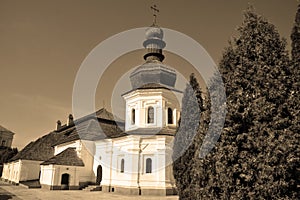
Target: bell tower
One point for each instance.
(152, 102)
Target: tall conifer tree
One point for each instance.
(257, 155)
(295, 36)
(184, 147)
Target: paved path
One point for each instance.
(11, 192)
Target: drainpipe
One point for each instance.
(110, 175)
(139, 166)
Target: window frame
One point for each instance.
(148, 166)
(150, 119)
(170, 118)
(122, 165)
(133, 113)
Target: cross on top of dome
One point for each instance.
(154, 10)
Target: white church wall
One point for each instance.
(112, 151)
(86, 173)
(103, 153)
(51, 176)
(125, 148)
(46, 177)
(155, 150)
(21, 170)
(14, 173)
(61, 147)
(160, 100)
(29, 170)
(5, 172)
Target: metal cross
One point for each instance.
(155, 10)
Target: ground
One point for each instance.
(13, 192)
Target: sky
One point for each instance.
(44, 42)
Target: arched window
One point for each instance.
(170, 116)
(133, 116)
(122, 166)
(150, 118)
(148, 165)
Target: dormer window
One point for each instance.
(170, 116)
(133, 116)
(150, 115)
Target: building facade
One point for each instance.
(6, 137)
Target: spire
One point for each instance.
(154, 40)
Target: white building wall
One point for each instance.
(86, 173)
(30, 170)
(21, 170)
(159, 99)
(51, 174)
(135, 150)
(46, 174)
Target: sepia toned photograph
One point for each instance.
(149, 99)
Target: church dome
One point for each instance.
(154, 32)
(153, 70)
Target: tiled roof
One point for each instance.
(41, 149)
(91, 128)
(104, 114)
(67, 157)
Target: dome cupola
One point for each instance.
(153, 70)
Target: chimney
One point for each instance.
(70, 120)
(58, 125)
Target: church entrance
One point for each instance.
(65, 181)
(99, 175)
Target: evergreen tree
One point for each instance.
(295, 36)
(257, 155)
(184, 147)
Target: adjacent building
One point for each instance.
(6, 137)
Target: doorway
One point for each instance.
(65, 178)
(99, 175)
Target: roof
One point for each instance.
(152, 131)
(2, 129)
(67, 157)
(40, 150)
(91, 128)
(153, 86)
(104, 114)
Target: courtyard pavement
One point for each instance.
(13, 192)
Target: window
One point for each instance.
(122, 166)
(150, 118)
(148, 165)
(133, 116)
(3, 143)
(170, 116)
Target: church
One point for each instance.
(127, 157)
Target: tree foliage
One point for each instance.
(184, 147)
(257, 155)
(295, 36)
(7, 153)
